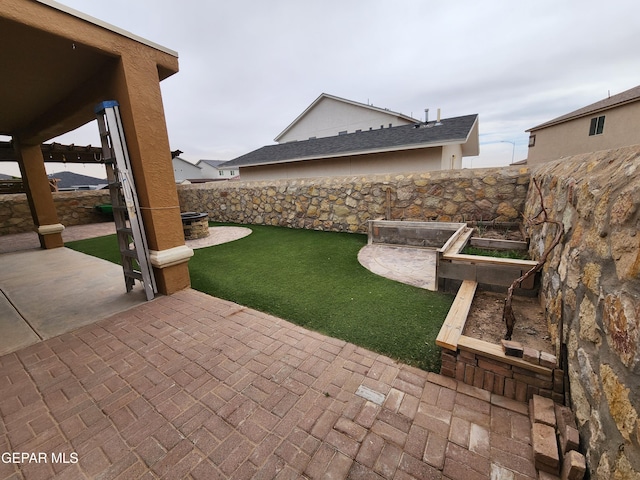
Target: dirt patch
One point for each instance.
(484, 321)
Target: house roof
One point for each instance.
(403, 137)
(344, 100)
(71, 179)
(186, 162)
(628, 96)
(211, 163)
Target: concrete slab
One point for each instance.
(410, 265)
(15, 333)
(59, 290)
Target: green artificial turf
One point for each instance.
(314, 279)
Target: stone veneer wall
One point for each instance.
(347, 203)
(74, 208)
(591, 291)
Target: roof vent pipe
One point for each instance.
(426, 115)
(438, 119)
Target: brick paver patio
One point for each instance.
(190, 386)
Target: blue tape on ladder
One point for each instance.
(106, 104)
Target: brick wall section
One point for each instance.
(345, 204)
(515, 382)
(74, 208)
(591, 291)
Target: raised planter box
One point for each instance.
(485, 365)
(433, 235)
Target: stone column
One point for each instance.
(136, 87)
(43, 210)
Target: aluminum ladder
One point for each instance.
(132, 240)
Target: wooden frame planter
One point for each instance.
(485, 365)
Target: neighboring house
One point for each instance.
(69, 181)
(414, 147)
(610, 123)
(184, 170)
(212, 170)
(329, 115)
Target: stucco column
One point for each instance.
(136, 86)
(43, 210)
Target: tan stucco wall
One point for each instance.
(108, 64)
(378, 163)
(621, 128)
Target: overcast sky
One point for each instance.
(250, 67)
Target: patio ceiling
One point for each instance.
(57, 64)
(48, 80)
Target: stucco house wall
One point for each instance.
(375, 163)
(331, 116)
(569, 134)
(183, 170)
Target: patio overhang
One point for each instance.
(57, 65)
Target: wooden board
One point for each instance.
(454, 323)
(492, 243)
(496, 352)
(512, 262)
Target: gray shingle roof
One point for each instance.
(71, 179)
(628, 96)
(450, 130)
(212, 163)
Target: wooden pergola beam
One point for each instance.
(56, 152)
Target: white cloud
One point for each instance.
(248, 68)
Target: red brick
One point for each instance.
(510, 388)
(293, 456)
(459, 432)
(324, 424)
(496, 367)
(319, 464)
(389, 433)
(460, 370)
(469, 374)
(388, 460)
(370, 450)
(339, 466)
(573, 466)
(416, 441)
(545, 448)
(478, 463)
(498, 384)
(343, 443)
(478, 379)
(350, 429)
(367, 415)
(542, 410)
(435, 450)
(417, 469)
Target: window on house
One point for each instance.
(597, 126)
(532, 140)
(220, 172)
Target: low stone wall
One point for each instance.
(74, 208)
(591, 291)
(347, 203)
